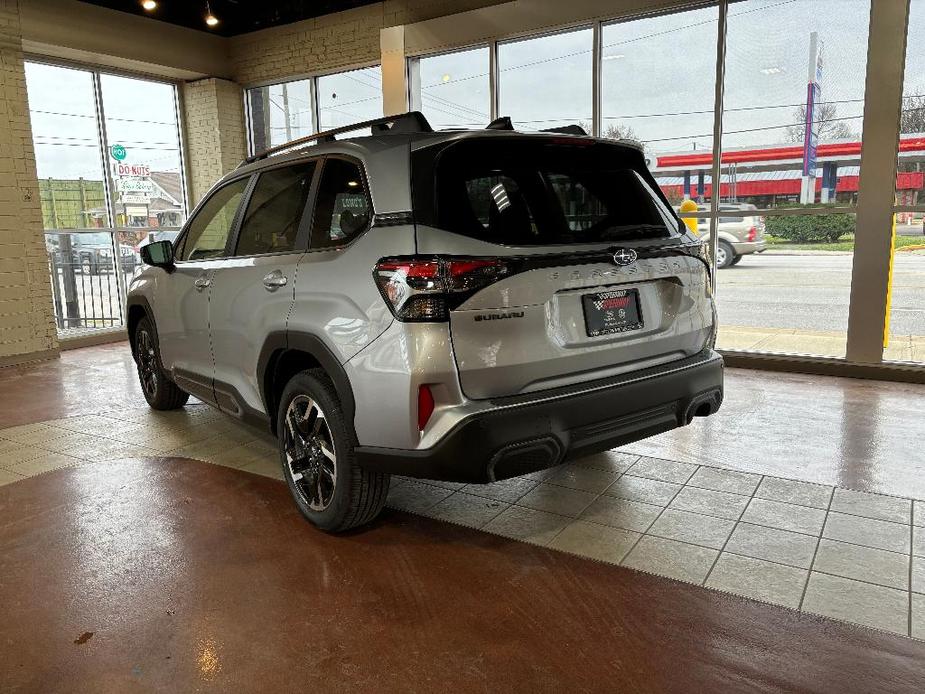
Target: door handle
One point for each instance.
(202, 282)
(275, 280)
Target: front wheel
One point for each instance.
(725, 255)
(160, 392)
(316, 447)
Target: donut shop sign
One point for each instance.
(121, 169)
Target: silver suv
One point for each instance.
(738, 236)
(457, 305)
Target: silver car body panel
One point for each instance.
(242, 312)
(336, 298)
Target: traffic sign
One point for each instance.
(118, 152)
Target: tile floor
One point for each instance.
(849, 555)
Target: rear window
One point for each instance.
(525, 193)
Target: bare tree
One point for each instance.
(828, 124)
(912, 119)
(613, 131)
(620, 132)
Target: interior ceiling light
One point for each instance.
(149, 4)
(211, 19)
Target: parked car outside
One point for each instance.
(460, 305)
(91, 253)
(738, 236)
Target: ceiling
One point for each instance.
(236, 16)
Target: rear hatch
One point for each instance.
(593, 274)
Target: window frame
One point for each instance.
(303, 235)
(366, 191)
(96, 72)
(312, 78)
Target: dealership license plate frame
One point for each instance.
(598, 323)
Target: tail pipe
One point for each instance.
(703, 405)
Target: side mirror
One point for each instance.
(158, 254)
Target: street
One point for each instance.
(811, 292)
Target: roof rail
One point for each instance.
(410, 122)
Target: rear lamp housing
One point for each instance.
(426, 288)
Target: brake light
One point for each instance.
(752, 234)
(426, 289)
(425, 406)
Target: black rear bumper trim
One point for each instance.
(528, 433)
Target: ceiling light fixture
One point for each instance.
(773, 70)
(149, 5)
(211, 19)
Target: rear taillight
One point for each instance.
(752, 234)
(425, 289)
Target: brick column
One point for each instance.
(215, 138)
(27, 327)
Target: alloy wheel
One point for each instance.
(310, 458)
(147, 363)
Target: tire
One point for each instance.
(735, 261)
(319, 465)
(725, 255)
(160, 392)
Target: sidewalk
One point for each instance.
(826, 343)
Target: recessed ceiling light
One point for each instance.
(211, 19)
(614, 57)
(149, 4)
(773, 70)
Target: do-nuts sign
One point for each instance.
(120, 168)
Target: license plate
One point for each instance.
(612, 312)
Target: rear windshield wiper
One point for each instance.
(629, 231)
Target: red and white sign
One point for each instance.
(121, 168)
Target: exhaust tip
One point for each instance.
(703, 405)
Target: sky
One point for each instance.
(657, 79)
(658, 73)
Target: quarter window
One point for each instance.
(274, 213)
(209, 229)
(343, 209)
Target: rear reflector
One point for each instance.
(425, 406)
(752, 234)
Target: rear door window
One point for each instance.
(274, 213)
(342, 210)
(534, 193)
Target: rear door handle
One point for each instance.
(202, 282)
(275, 280)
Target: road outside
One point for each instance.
(799, 304)
(917, 229)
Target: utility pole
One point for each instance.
(810, 128)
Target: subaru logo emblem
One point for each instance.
(625, 256)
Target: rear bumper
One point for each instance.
(528, 433)
(746, 247)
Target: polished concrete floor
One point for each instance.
(128, 564)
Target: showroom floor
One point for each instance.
(773, 499)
